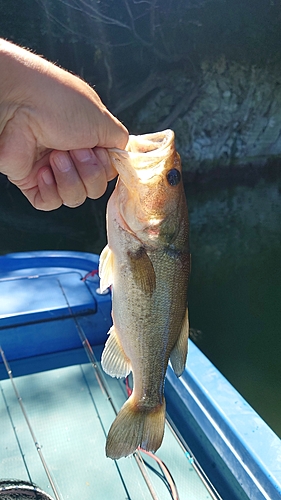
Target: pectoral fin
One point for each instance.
(114, 360)
(179, 352)
(105, 268)
(143, 270)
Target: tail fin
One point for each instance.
(134, 427)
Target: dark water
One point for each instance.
(23, 228)
(235, 290)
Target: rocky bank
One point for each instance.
(228, 114)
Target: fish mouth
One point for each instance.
(145, 155)
(156, 144)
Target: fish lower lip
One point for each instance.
(153, 231)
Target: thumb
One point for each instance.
(112, 134)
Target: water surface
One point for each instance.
(235, 289)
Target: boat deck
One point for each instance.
(69, 414)
(56, 405)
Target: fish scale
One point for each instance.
(147, 264)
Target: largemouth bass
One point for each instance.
(147, 262)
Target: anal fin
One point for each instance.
(114, 360)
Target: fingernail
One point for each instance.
(62, 162)
(82, 155)
(48, 177)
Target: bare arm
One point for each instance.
(50, 121)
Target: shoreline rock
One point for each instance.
(230, 114)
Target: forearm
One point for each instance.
(29, 81)
(22, 72)
(14, 65)
(20, 81)
(10, 76)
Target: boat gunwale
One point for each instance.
(249, 448)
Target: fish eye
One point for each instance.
(173, 177)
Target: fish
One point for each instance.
(147, 263)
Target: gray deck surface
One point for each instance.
(70, 416)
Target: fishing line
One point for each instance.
(38, 447)
(193, 462)
(167, 474)
(139, 460)
(169, 480)
(102, 383)
(159, 474)
(104, 431)
(15, 433)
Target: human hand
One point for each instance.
(54, 132)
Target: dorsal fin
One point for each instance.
(179, 352)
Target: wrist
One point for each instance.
(13, 81)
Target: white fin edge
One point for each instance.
(106, 268)
(114, 360)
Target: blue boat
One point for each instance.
(56, 404)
